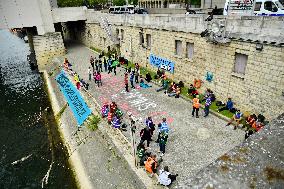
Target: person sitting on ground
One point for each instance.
(175, 92)
(104, 110)
(250, 120)
(143, 84)
(148, 77)
(118, 113)
(110, 117)
(163, 77)
(151, 164)
(144, 158)
(257, 125)
(116, 123)
(165, 177)
(229, 106)
(237, 118)
(164, 86)
(158, 74)
(84, 84)
(113, 107)
(192, 91)
(171, 89)
(142, 154)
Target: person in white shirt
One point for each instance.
(165, 177)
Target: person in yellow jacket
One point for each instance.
(195, 106)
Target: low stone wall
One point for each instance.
(47, 47)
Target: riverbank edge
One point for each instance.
(121, 144)
(75, 161)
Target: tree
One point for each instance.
(69, 3)
(97, 2)
(119, 2)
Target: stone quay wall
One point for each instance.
(258, 90)
(47, 47)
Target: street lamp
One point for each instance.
(133, 140)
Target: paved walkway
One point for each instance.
(193, 142)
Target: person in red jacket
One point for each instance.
(126, 82)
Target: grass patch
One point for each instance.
(59, 114)
(93, 122)
(96, 49)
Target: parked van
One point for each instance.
(127, 9)
(263, 8)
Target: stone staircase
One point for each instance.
(105, 24)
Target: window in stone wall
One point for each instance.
(104, 41)
(141, 38)
(121, 34)
(178, 47)
(189, 50)
(148, 38)
(240, 63)
(117, 33)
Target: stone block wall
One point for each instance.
(46, 47)
(259, 90)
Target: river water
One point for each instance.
(30, 146)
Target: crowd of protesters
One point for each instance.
(114, 115)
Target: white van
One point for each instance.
(127, 9)
(261, 8)
(268, 8)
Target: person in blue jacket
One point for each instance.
(229, 106)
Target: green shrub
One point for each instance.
(93, 122)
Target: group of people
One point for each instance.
(79, 82)
(134, 77)
(149, 160)
(113, 114)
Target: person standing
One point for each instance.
(163, 127)
(109, 63)
(97, 64)
(100, 65)
(162, 142)
(126, 82)
(207, 105)
(131, 79)
(105, 64)
(99, 79)
(92, 62)
(136, 76)
(145, 135)
(195, 106)
(114, 69)
(90, 73)
(149, 122)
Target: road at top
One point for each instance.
(193, 143)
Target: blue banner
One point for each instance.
(162, 63)
(73, 97)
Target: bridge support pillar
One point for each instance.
(47, 47)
